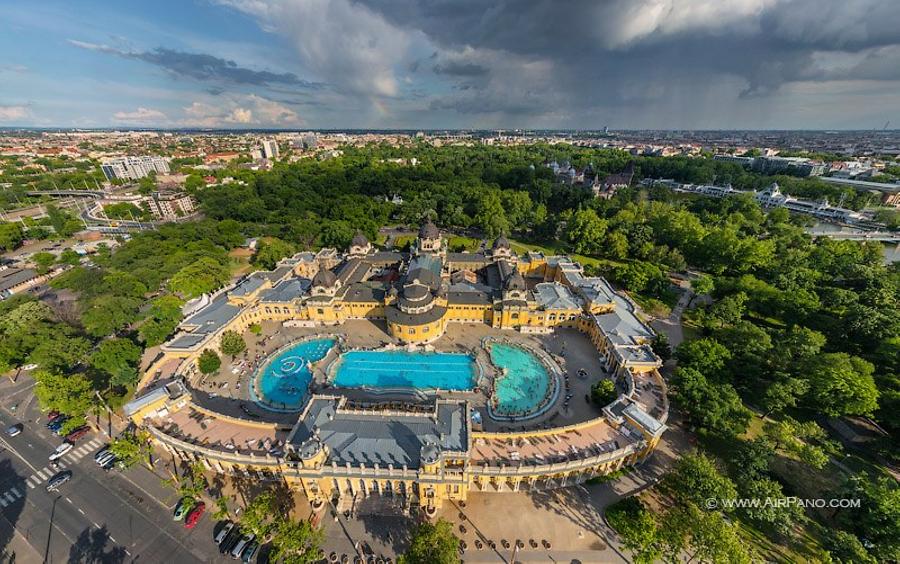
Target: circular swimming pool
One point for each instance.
(523, 385)
(283, 381)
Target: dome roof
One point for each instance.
(415, 292)
(359, 240)
(429, 231)
(515, 282)
(324, 278)
(501, 242)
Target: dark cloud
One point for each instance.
(203, 67)
(651, 56)
(458, 68)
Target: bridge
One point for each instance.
(880, 236)
(96, 194)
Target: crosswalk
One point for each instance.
(40, 477)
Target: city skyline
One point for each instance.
(744, 64)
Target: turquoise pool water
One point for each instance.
(285, 378)
(401, 369)
(525, 384)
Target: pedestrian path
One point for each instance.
(40, 477)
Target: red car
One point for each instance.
(194, 516)
(78, 433)
(52, 415)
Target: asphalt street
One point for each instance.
(97, 516)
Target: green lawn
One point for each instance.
(458, 243)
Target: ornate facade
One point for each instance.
(338, 450)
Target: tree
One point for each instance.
(43, 261)
(201, 276)
(782, 395)
(209, 362)
(616, 245)
(57, 350)
(702, 285)
(751, 459)
(603, 392)
(769, 511)
(432, 543)
(845, 548)
(706, 355)
(70, 257)
(661, 347)
(726, 311)
(636, 526)
(11, 235)
(877, 519)
(807, 441)
(715, 407)
(131, 449)
(271, 251)
(107, 314)
(841, 384)
(585, 232)
(71, 394)
(260, 515)
(118, 358)
(490, 216)
(296, 542)
(696, 479)
(706, 535)
(232, 344)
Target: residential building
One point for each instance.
(169, 206)
(134, 168)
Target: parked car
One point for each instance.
(107, 459)
(194, 516)
(220, 536)
(250, 552)
(182, 507)
(14, 430)
(60, 451)
(241, 545)
(104, 450)
(78, 433)
(58, 479)
(230, 540)
(53, 414)
(57, 423)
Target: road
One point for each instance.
(96, 516)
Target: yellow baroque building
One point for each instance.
(420, 453)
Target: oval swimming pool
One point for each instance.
(524, 384)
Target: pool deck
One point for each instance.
(570, 349)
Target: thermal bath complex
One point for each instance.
(461, 392)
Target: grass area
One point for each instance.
(240, 261)
(555, 248)
(401, 241)
(459, 244)
(380, 239)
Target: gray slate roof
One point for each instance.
(552, 295)
(372, 438)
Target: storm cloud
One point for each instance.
(201, 66)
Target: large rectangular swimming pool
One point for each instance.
(402, 369)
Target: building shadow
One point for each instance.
(93, 546)
(12, 486)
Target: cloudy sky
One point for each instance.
(700, 64)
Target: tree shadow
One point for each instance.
(93, 546)
(383, 520)
(13, 485)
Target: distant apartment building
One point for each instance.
(743, 161)
(133, 168)
(270, 149)
(170, 206)
(798, 166)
